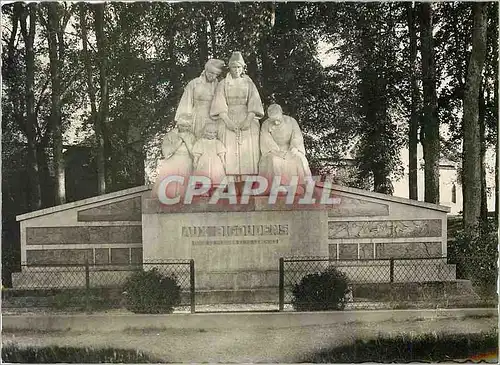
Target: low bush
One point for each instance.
(420, 348)
(321, 291)
(149, 291)
(476, 258)
(56, 354)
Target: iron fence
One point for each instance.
(390, 283)
(91, 286)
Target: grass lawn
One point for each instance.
(422, 348)
(56, 354)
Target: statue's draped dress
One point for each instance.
(281, 138)
(209, 163)
(237, 97)
(194, 107)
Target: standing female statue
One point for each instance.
(194, 107)
(238, 106)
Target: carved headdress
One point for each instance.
(237, 58)
(214, 65)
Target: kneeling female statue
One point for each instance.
(282, 148)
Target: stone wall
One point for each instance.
(387, 227)
(235, 247)
(100, 230)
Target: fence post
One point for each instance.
(281, 284)
(87, 285)
(391, 270)
(87, 276)
(191, 286)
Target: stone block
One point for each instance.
(109, 277)
(136, 255)
(374, 272)
(101, 256)
(332, 251)
(115, 234)
(59, 256)
(366, 251)
(83, 235)
(350, 207)
(120, 256)
(125, 210)
(49, 278)
(423, 270)
(236, 280)
(348, 251)
(56, 235)
(408, 249)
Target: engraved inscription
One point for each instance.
(234, 231)
(385, 229)
(236, 242)
(350, 207)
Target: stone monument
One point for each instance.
(236, 243)
(237, 232)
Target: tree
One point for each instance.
(415, 101)
(430, 122)
(29, 126)
(87, 61)
(471, 128)
(101, 117)
(58, 18)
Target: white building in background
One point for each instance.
(450, 188)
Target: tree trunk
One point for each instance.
(213, 36)
(430, 123)
(497, 154)
(471, 128)
(495, 108)
(101, 168)
(47, 194)
(413, 130)
(103, 111)
(203, 43)
(55, 108)
(482, 139)
(31, 120)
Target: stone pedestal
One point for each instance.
(233, 250)
(236, 247)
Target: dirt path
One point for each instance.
(256, 345)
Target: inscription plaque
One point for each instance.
(236, 242)
(237, 230)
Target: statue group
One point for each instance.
(218, 132)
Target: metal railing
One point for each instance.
(95, 286)
(392, 283)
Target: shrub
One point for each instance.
(321, 291)
(476, 257)
(149, 291)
